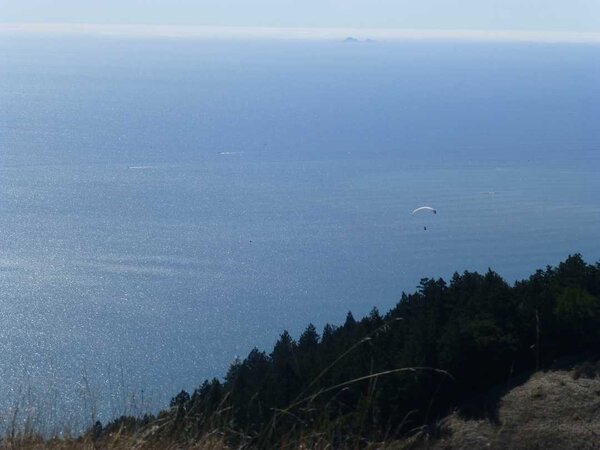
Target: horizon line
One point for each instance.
(297, 33)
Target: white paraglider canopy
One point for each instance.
(425, 209)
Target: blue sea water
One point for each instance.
(166, 205)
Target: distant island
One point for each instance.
(351, 40)
(452, 357)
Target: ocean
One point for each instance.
(166, 205)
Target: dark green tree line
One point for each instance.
(459, 338)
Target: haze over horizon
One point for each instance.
(482, 15)
(282, 33)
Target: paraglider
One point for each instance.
(423, 210)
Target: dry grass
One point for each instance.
(552, 410)
(121, 442)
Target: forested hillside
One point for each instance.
(386, 375)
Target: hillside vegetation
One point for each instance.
(391, 379)
(552, 410)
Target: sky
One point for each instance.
(524, 15)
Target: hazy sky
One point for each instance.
(551, 15)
